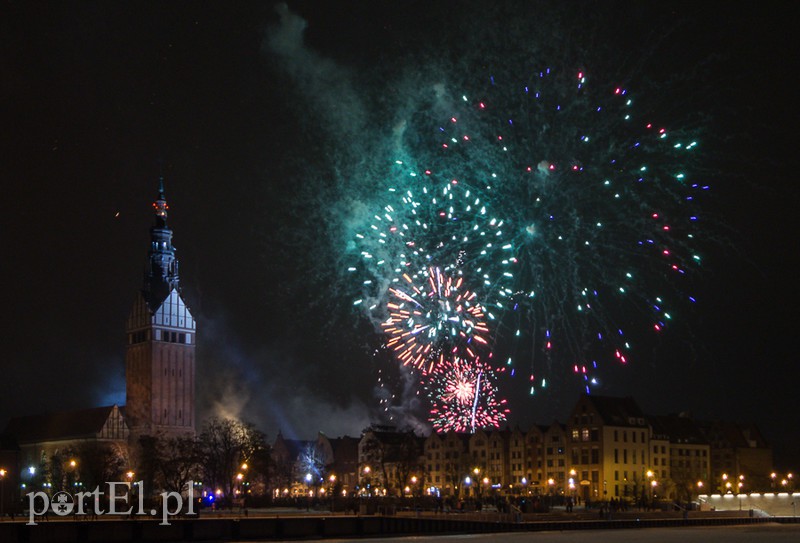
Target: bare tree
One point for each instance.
(180, 462)
(98, 463)
(310, 463)
(226, 446)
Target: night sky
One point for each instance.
(255, 113)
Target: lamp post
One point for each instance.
(572, 491)
(414, 481)
(308, 491)
(331, 487)
(739, 486)
(366, 479)
(3, 473)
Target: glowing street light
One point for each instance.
(3, 473)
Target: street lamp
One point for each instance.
(366, 480)
(652, 484)
(573, 475)
(308, 491)
(331, 487)
(739, 490)
(3, 473)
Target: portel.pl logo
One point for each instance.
(63, 503)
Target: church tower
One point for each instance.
(159, 359)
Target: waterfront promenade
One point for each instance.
(293, 524)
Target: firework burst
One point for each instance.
(464, 397)
(434, 320)
(573, 216)
(599, 214)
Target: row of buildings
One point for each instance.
(607, 448)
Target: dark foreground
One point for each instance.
(448, 527)
(762, 533)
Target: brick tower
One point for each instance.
(159, 359)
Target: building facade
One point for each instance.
(607, 450)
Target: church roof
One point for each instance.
(60, 425)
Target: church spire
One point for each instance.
(161, 275)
